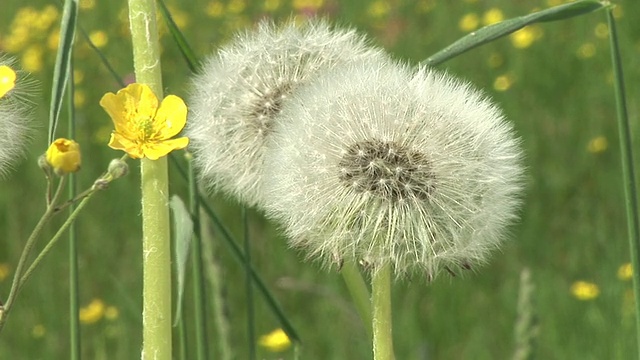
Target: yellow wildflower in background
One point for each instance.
(601, 30)
(214, 9)
(307, 4)
(597, 145)
(525, 37)
(63, 156)
(38, 331)
(111, 313)
(93, 312)
(32, 58)
(99, 38)
(4, 271)
(492, 16)
(469, 22)
(583, 290)
(7, 80)
(142, 129)
(625, 272)
(586, 50)
(504, 82)
(275, 341)
(379, 8)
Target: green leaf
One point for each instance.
(63, 63)
(495, 31)
(179, 38)
(183, 232)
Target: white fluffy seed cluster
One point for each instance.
(365, 160)
(379, 162)
(16, 110)
(236, 98)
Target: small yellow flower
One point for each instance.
(586, 50)
(99, 38)
(625, 272)
(38, 331)
(597, 145)
(275, 341)
(63, 156)
(4, 271)
(525, 37)
(469, 22)
(142, 129)
(583, 290)
(93, 312)
(7, 80)
(601, 30)
(492, 16)
(504, 82)
(111, 313)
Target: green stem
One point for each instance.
(381, 303)
(156, 244)
(629, 176)
(359, 293)
(249, 285)
(197, 270)
(15, 286)
(74, 306)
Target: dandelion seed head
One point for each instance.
(240, 91)
(377, 162)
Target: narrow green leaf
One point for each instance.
(103, 58)
(495, 31)
(626, 156)
(183, 232)
(63, 63)
(179, 38)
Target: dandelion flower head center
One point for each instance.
(268, 105)
(388, 170)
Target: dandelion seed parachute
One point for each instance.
(15, 114)
(237, 96)
(377, 162)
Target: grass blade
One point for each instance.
(628, 171)
(183, 226)
(495, 31)
(63, 64)
(179, 38)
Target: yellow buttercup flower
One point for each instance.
(625, 272)
(275, 341)
(93, 312)
(583, 290)
(142, 129)
(63, 156)
(7, 80)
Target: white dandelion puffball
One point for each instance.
(15, 114)
(376, 162)
(238, 94)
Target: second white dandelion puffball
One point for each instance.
(238, 94)
(377, 162)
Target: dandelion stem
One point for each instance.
(359, 293)
(156, 244)
(381, 303)
(626, 155)
(249, 285)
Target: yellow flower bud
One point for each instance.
(64, 156)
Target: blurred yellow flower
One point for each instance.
(78, 76)
(601, 30)
(492, 16)
(495, 60)
(53, 40)
(7, 80)
(111, 313)
(586, 50)
(625, 271)
(236, 6)
(99, 38)
(214, 9)
(275, 341)
(379, 8)
(79, 98)
(32, 58)
(307, 4)
(93, 312)
(583, 290)
(63, 155)
(142, 129)
(504, 82)
(525, 37)
(597, 145)
(469, 22)
(4, 271)
(87, 4)
(38, 331)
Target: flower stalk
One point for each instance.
(156, 314)
(381, 304)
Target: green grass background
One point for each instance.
(572, 226)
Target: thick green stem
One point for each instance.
(156, 247)
(381, 304)
(629, 176)
(359, 293)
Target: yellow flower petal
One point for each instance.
(162, 148)
(275, 341)
(171, 117)
(7, 80)
(583, 290)
(120, 142)
(63, 155)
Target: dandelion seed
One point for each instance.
(241, 90)
(375, 162)
(15, 114)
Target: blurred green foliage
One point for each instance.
(554, 81)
